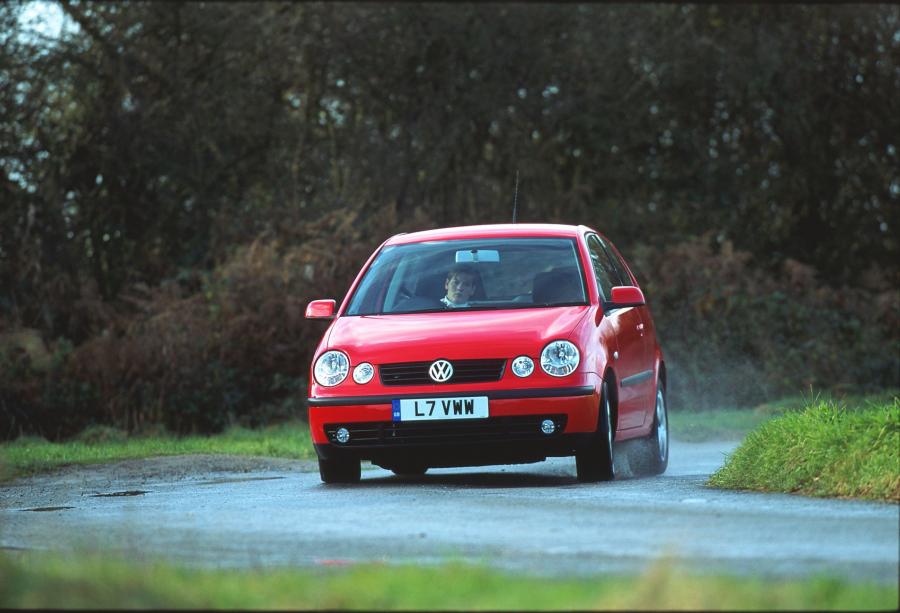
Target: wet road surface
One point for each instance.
(533, 518)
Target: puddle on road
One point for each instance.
(42, 509)
(237, 480)
(113, 494)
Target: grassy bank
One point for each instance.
(31, 455)
(54, 581)
(829, 448)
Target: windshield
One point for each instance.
(507, 273)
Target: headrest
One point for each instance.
(557, 285)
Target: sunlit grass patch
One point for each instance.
(827, 449)
(28, 455)
(32, 580)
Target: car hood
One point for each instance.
(452, 335)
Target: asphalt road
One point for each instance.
(533, 518)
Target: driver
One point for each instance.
(460, 286)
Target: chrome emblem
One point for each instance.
(440, 371)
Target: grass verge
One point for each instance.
(83, 581)
(30, 455)
(826, 449)
(734, 424)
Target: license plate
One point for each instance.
(420, 409)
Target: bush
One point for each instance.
(43, 396)
(206, 350)
(736, 335)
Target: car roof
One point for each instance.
(504, 230)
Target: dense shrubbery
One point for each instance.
(735, 334)
(197, 353)
(232, 346)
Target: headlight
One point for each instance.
(560, 358)
(331, 368)
(363, 373)
(522, 366)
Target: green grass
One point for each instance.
(89, 581)
(735, 424)
(826, 449)
(745, 469)
(30, 455)
(722, 425)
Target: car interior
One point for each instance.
(559, 285)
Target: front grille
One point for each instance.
(464, 371)
(396, 434)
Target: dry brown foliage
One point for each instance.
(734, 333)
(232, 345)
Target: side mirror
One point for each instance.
(320, 309)
(625, 296)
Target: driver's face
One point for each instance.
(460, 287)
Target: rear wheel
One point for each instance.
(595, 463)
(339, 470)
(657, 444)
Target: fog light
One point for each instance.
(343, 435)
(548, 427)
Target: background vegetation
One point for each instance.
(178, 180)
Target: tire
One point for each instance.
(595, 463)
(339, 470)
(657, 443)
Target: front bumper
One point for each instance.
(511, 434)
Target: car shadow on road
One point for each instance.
(474, 479)
(629, 465)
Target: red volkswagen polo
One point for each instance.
(493, 344)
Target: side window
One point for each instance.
(618, 264)
(603, 270)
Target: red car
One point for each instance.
(493, 344)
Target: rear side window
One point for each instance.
(606, 274)
(618, 264)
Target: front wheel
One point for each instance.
(657, 443)
(595, 463)
(340, 470)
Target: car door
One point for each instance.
(628, 359)
(643, 381)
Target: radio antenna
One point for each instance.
(516, 196)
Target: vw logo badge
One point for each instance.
(440, 371)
